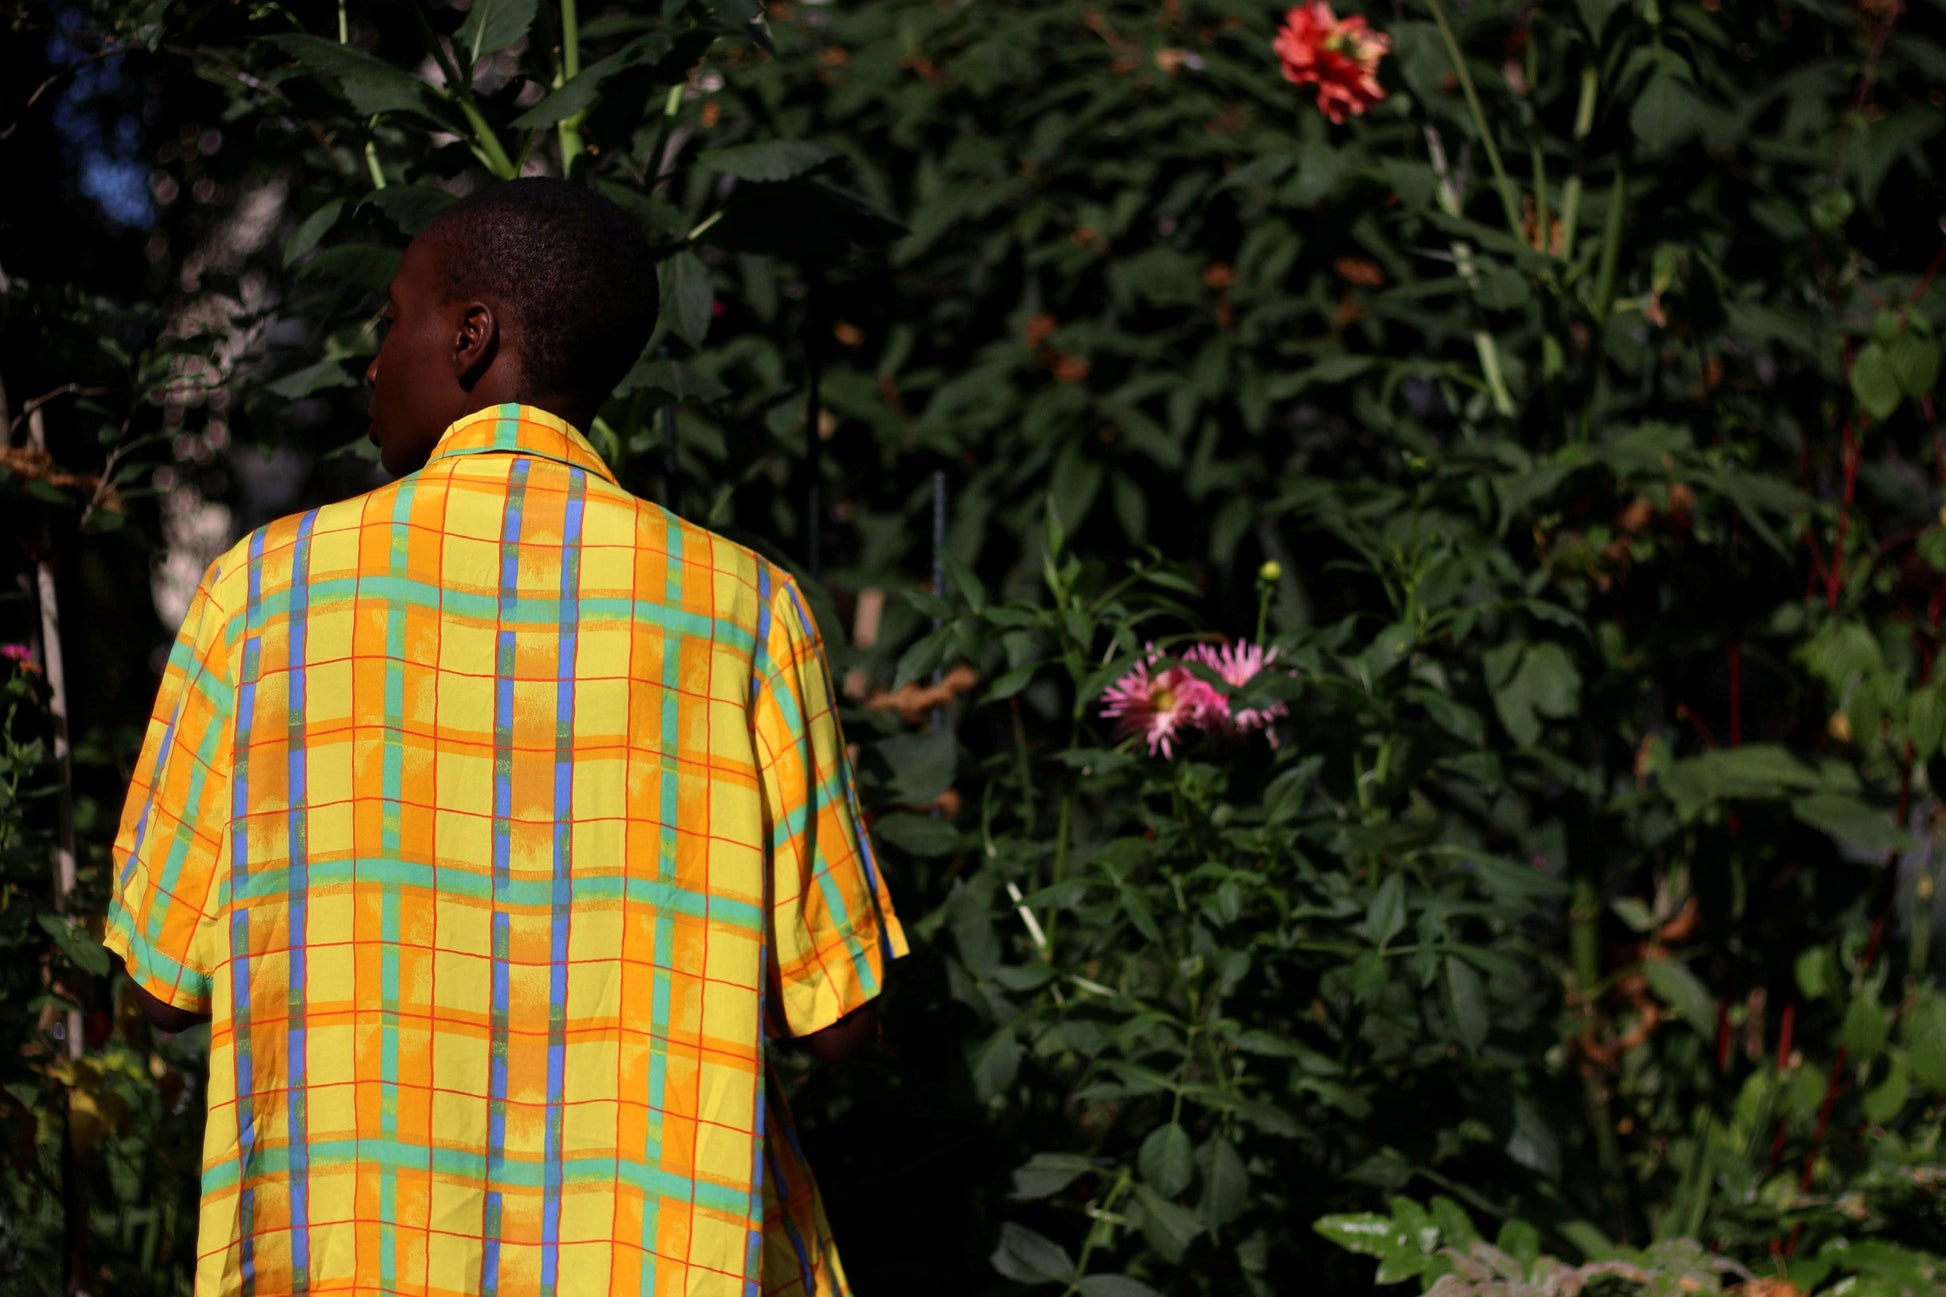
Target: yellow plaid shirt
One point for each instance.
(494, 816)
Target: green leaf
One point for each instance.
(995, 1063)
(1596, 13)
(581, 90)
(1885, 1100)
(365, 267)
(1166, 1160)
(1866, 1028)
(1853, 822)
(1914, 362)
(1816, 969)
(1455, 1226)
(736, 13)
(1226, 1183)
(1630, 910)
(1830, 209)
(1874, 381)
(672, 381)
(1028, 1257)
(1115, 1285)
(1533, 680)
(320, 377)
(1924, 1031)
(1503, 289)
(311, 229)
(491, 26)
(1682, 991)
(81, 950)
(1388, 648)
(1385, 913)
(368, 84)
(1665, 111)
(1925, 720)
(686, 296)
(1169, 1228)
(916, 835)
(917, 768)
(767, 159)
(1393, 1243)
(1046, 1174)
(1466, 1001)
(411, 207)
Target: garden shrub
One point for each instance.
(1563, 419)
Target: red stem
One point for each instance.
(1925, 281)
(1701, 726)
(1834, 576)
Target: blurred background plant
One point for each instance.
(1553, 388)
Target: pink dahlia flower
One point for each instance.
(1160, 705)
(1239, 664)
(1338, 55)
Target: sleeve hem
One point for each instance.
(191, 994)
(861, 958)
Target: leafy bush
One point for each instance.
(1565, 419)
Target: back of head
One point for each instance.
(571, 267)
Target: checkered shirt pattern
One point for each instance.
(497, 817)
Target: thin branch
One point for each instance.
(55, 80)
(27, 411)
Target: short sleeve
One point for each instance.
(832, 928)
(163, 918)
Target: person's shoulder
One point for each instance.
(270, 547)
(699, 550)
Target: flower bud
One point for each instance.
(1271, 572)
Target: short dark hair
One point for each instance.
(572, 267)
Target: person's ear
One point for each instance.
(476, 341)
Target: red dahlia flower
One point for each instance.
(1339, 56)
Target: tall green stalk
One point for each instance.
(1508, 195)
(569, 129)
(1584, 125)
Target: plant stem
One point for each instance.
(1060, 871)
(1503, 401)
(670, 107)
(486, 145)
(1093, 1240)
(1500, 178)
(454, 82)
(1611, 249)
(1604, 300)
(1483, 342)
(54, 665)
(570, 127)
(1536, 160)
(1584, 124)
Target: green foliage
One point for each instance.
(1584, 441)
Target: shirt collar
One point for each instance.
(519, 430)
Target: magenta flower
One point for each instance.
(20, 653)
(1238, 664)
(1160, 705)
(1163, 703)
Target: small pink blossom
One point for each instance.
(1160, 705)
(20, 653)
(1240, 663)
